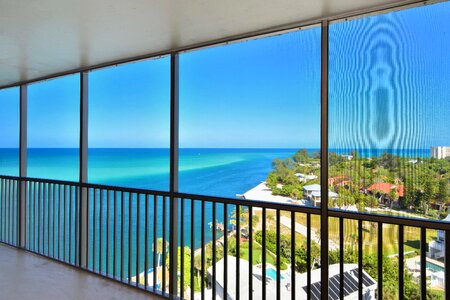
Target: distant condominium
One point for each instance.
(440, 152)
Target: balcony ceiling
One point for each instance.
(44, 37)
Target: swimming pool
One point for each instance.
(272, 274)
(434, 267)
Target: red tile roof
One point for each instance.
(387, 188)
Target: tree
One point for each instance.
(334, 159)
(427, 195)
(301, 156)
(443, 190)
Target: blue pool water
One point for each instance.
(272, 274)
(434, 267)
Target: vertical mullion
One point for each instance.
(324, 162)
(23, 165)
(83, 228)
(174, 139)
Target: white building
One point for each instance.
(312, 193)
(437, 247)
(440, 152)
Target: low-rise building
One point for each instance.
(312, 193)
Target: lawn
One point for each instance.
(370, 231)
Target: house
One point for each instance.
(312, 193)
(383, 190)
(336, 180)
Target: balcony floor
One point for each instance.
(27, 276)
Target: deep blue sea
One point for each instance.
(216, 172)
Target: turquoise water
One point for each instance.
(434, 267)
(272, 274)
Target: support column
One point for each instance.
(324, 164)
(83, 177)
(22, 166)
(174, 118)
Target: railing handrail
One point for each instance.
(387, 219)
(47, 202)
(89, 185)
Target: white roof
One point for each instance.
(312, 187)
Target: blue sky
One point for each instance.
(389, 83)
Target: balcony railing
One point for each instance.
(137, 236)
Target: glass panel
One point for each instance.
(54, 128)
(129, 125)
(388, 131)
(245, 110)
(9, 131)
(388, 117)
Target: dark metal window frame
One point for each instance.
(325, 212)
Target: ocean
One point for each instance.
(214, 172)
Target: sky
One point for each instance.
(388, 84)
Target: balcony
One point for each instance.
(274, 152)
